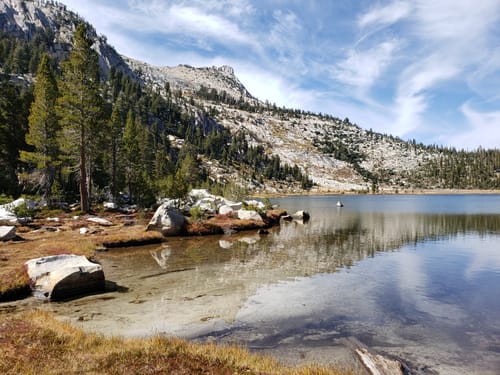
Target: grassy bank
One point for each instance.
(37, 343)
(43, 238)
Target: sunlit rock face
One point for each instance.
(59, 277)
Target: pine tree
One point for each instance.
(80, 107)
(43, 128)
(14, 104)
(115, 132)
(131, 153)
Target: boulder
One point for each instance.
(249, 215)
(111, 206)
(225, 210)
(207, 204)
(62, 276)
(255, 203)
(301, 215)
(100, 221)
(234, 205)
(7, 232)
(167, 221)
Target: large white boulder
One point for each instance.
(7, 232)
(225, 210)
(61, 276)
(168, 221)
(249, 215)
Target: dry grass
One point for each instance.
(36, 343)
(36, 241)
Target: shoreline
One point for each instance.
(386, 192)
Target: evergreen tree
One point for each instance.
(115, 133)
(80, 107)
(44, 128)
(131, 153)
(14, 104)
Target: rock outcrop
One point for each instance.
(62, 276)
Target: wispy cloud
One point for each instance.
(385, 15)
(482, 129)
(362, 68)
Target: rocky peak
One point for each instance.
(188, 78)
(22, 18)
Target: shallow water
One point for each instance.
(416, 277)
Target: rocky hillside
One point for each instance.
(336, 154)
(24, 18)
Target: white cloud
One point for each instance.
(266, 85)
(464, 21)
(385, 15)
(483, 129)
(362, 68)
(190, 20)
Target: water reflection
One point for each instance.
(413, 276)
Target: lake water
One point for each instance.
(415, 277)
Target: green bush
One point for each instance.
(196, 214)
(24, 211)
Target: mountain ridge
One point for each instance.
(336, 154)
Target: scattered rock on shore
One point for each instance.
(7, 232)
(62, 276)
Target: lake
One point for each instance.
(411, 276)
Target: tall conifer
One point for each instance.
(80, 108)
(44, 127)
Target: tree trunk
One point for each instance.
(84, 194)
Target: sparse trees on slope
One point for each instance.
(43, 128)
(80, 107)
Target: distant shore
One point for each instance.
(383, 192)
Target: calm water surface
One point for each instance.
(416, 277)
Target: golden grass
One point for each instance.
(36, 343)
(67, 240)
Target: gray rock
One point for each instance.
(7, 232)
(100, 221)
(111, 206)
(61, 276)
(249, 215)
(301, 215)
(167, 221)
(225, 210)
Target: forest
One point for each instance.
(72, 136)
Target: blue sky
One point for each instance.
(424, 69)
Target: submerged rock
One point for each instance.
(379, 365)
(62, 276)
